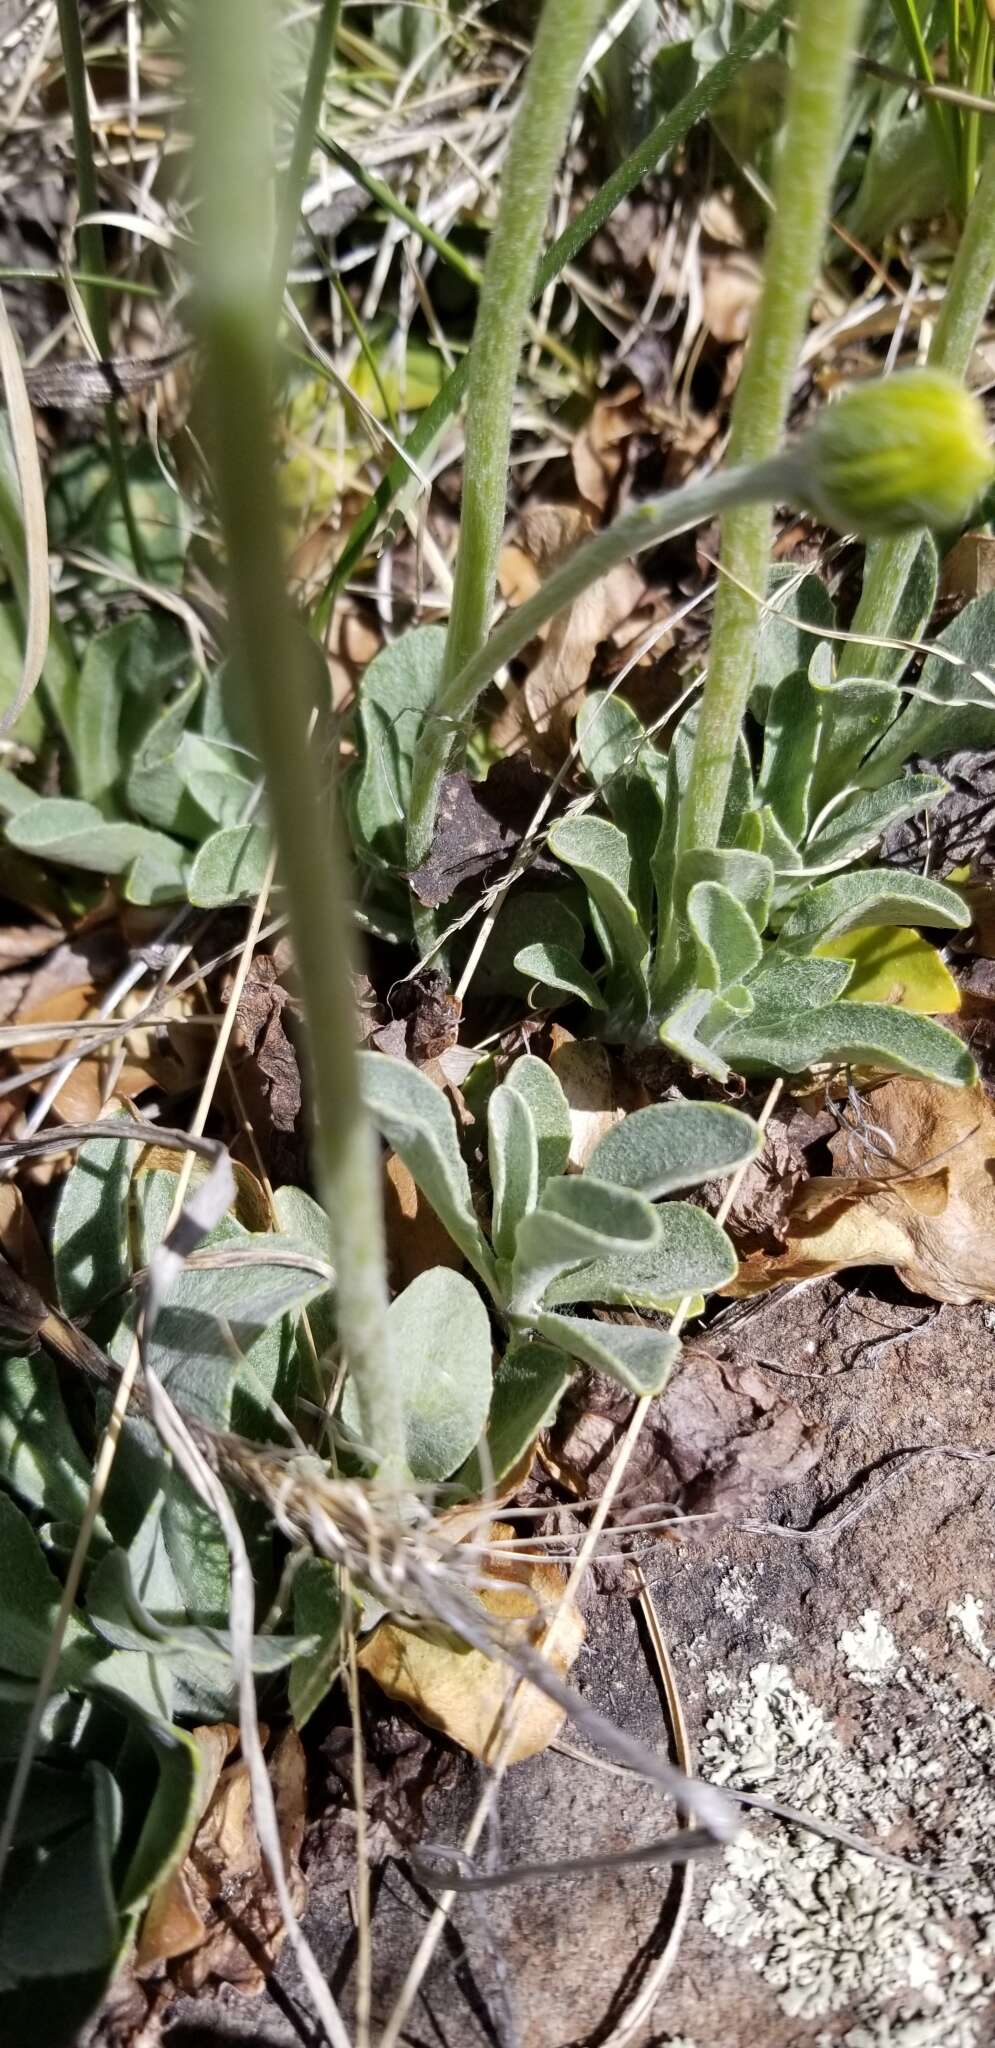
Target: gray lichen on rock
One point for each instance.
(909, 1960)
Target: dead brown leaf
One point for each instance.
(930, 1213)
(584, 1072)
(416, 1239)
(218, 1919)
(597, 453)
(479, 826)
(969, 569)
(460, 1691)
(266, 1066)
(554, 689)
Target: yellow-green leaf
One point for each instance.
(895, 965)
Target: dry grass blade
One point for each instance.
(178, 1440)
(32, 489)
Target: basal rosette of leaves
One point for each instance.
(558, 1242)
(112, 1802)
(157, 773)
(720, 953)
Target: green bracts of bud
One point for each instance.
(901, 452)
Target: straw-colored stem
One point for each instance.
(235, 306)
(823, 52)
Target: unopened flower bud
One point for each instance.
(904, 451)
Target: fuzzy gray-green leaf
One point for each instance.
(555, 967)
(861, 823)
(513, 1156)
(230, 867)
(692, 1256)
(868, 897)
(415, 1119)
(537, 1084)
(599, 854)
(868, 1034)
(528, 1385)
(642, 1360)
(674, 1145)
(576, 1220)
(440, 1337)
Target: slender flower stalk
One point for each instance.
(823, 51)
(666, 136)
(308, 116)
(887, 457)
(91, 243)
(965, 303)
(538, 137)
(235, 308)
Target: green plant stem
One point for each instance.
(537, 141)
(965, 303)
(662, 140)
(305, 131)
(644, 526)
(235, 304)
(943, 120)
(823, 52)
(91, 244)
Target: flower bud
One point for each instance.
(904, 451)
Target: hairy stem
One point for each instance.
(965, 303)
(540, 130)
(822, 56)
(644, 526)
(235, 305)
(91, 244)
(308, 115)
(662, 140)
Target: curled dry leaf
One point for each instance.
(584, 1072)
(554, 689)
(597, 453)
(461, 1692)
(929, 1211)
(160, 1055)
(266, 1065)
(416, 1240)
(218, 1919)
